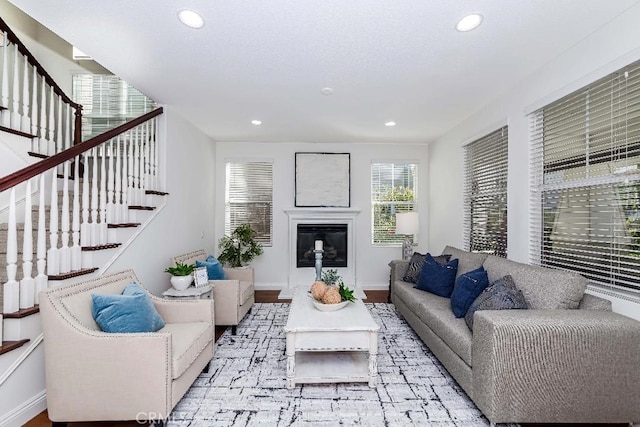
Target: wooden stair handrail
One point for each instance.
(35, 169)
(77, 135)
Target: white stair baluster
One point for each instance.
(118, 184)
(15, 93)
(151, 184)
(25, 125)
(35, 144)
(141, 194)
(85, 227)
(11, 289)
(76, 250)
(135, 172)
(94, 198)
(51, 149)
(42, 135)
(110, 184)
(53, 254)
(59, 137)
(27, 284)
(158, 185)
(102, 229)
(5, 80)
(147, 164)
(41, 278)
(130, 151)
(65, 252)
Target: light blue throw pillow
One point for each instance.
(214, 268)
(132, 311)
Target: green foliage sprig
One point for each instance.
(331, 277)
(180, 269)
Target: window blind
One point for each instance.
(249, 198)
(585, 181)
(485, 193)
(107, 101)
(393, 189)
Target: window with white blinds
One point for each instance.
(585, 181)
(393, 189)
(107, 101)
(485, 193)
(249, 198)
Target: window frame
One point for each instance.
(265, 238)
(410, 205)
(486, 160)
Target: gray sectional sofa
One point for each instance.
(567, 358)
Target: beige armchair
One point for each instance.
(97, 376)
(234, 297)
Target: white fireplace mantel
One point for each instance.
(306, 275)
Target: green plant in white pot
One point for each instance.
(181, 275)
(240, 247)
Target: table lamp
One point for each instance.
(407, 224)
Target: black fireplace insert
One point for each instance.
(334, 242)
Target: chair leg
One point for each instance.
(206, 368)
(58, 424)
(233, 329)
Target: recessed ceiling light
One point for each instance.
(326, 91)
(256, 122)
(469, 22)
(190, 18)
(389, 124)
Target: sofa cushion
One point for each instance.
(467, 288)
(214, 268)
(543, 288)
(437, 278)
(467, 261)
(415, 266)
(500, 295)
(131, 311)
(435, 312)
(187, 342)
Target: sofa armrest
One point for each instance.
(182, 311)
(398, 269)
(242, 274)
(556, 366)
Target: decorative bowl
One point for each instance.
(329, 307)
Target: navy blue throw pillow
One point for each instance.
(438, 278)
(468, 287)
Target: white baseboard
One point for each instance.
(25, 412)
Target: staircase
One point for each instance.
(69, 212)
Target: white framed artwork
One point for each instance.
(323, 180)
(200, 276)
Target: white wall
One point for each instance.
(272, 267)
(186, 223)
(603, 52)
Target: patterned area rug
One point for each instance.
(246, 386)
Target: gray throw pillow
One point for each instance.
(500, 295)
(415, 266)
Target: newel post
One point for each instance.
(77, 134)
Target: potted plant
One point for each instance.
(239, 248)
(181, 275)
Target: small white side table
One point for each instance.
(190, 293)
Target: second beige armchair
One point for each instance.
(233, 297)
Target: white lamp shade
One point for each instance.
(407, 223)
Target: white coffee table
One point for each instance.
(330, 347)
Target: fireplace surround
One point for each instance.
(327, 217)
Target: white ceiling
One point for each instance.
(268, 60)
